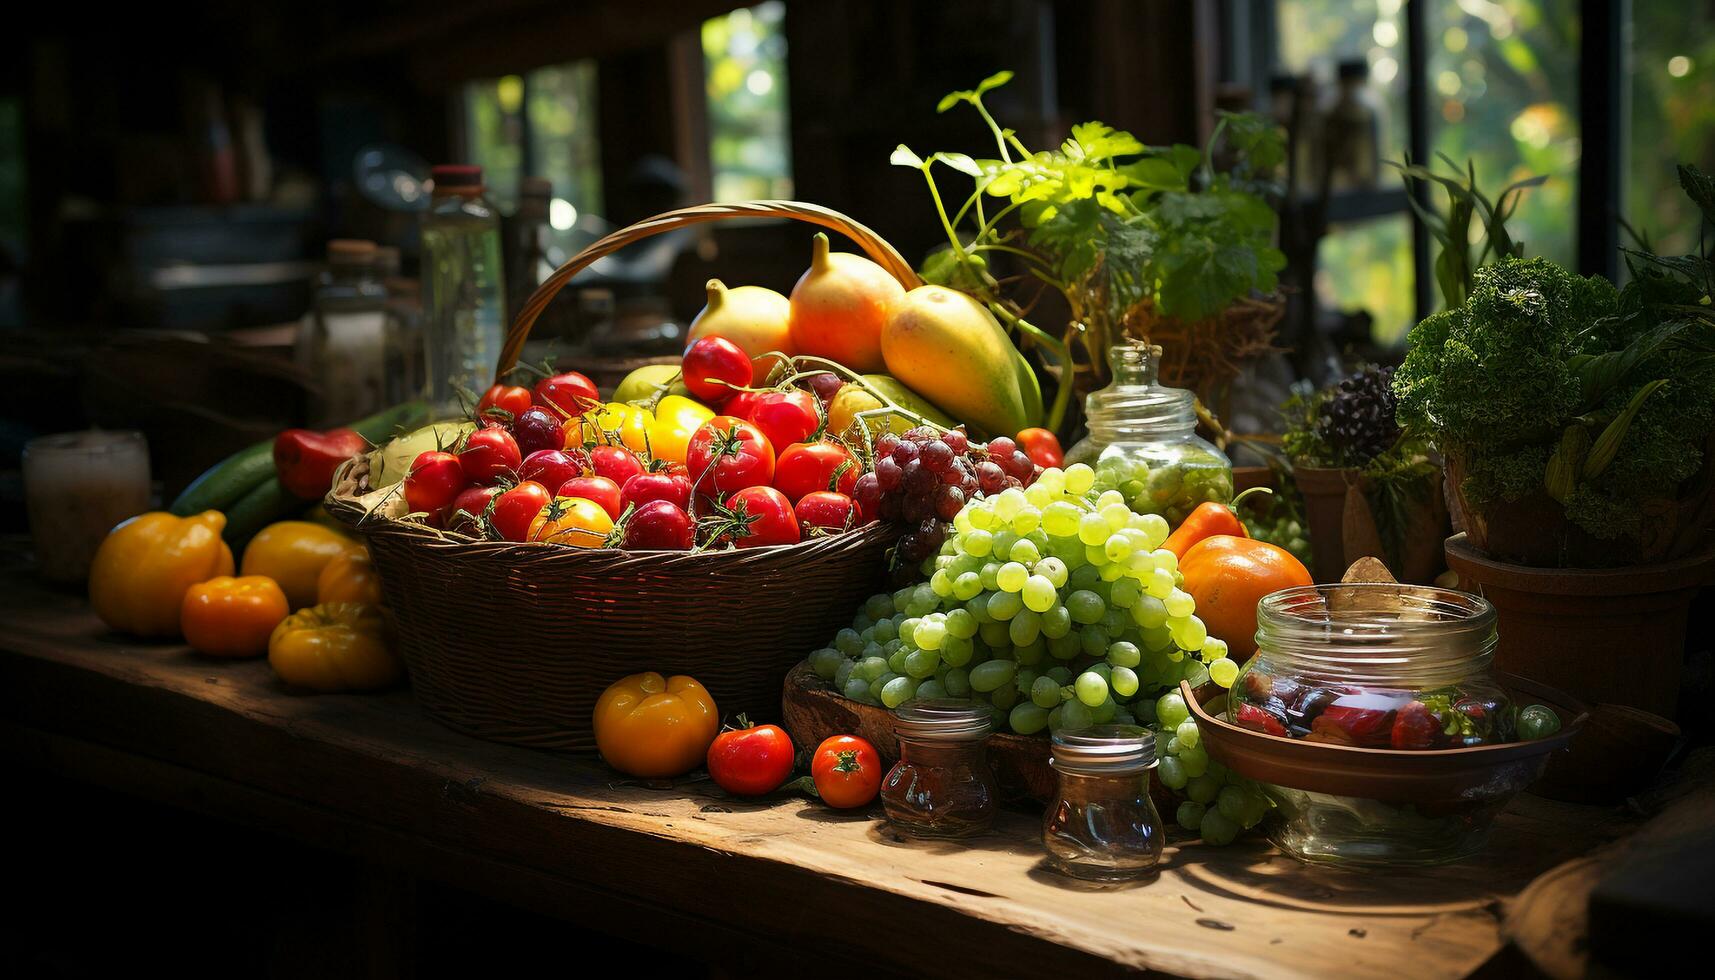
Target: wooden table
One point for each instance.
(689, 869)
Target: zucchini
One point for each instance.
(227, 481)
(266, 503)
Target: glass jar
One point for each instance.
(1102, 825)
(1378, 666)
(464, 292)
(346, 348)
(77, 486)
(942, 786)
(1143, 440)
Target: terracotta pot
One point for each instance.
(1247, 477)
(1343, 529)
(1613, 635)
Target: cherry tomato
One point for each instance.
(510, 401)
(847, 771)
(1041, 446)
(435, 479)
(615, 462)
(711, 361)
(552, 467)
(537, 429)
(767, 515)
(729, 454)
(465, 514)
(615, 423)
(675, 488)
(572, 520)
(600, 489)
(516, 509)
(740, 404)
(489, 454)
(750, 760)
(786, 417)
(832, 512)
(659, 525)
(567, 394)
(810, 466)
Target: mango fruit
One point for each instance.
(756, 318)
(839, 306)
(948, 347)
(852, 399)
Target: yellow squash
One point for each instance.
(138, 580)
(944, 345)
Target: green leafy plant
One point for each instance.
(1455, 265)
(1107, 222)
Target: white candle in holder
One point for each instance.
(77, 486)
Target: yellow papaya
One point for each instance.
(944, 345)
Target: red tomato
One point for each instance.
(810, 466)
(729, 454)
(617, 463)
(675, 488)
(435, 479)
(739, 404)
(711, 361)
(847, 771)
(510, 400)
(465, 514)
(659, 525)
(767, 516)
(515, 509)
(786, 417)
(751, 760)
(567, 394)
(600, 489)
(832, 512)
(489, 454)
(551, 467)
(1041, 446)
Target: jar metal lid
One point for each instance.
(943, 720)
(1104, 749)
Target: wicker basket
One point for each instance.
(558, 624)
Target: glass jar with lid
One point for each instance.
(1102, 825)
(1379, 666)
(1143, 440)
(942, 786)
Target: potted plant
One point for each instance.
(1577, 422)
(1370, 488)
(1151, 242)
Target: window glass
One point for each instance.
(494, 135)
(744, 58)
(564, 146)
(1672, 120)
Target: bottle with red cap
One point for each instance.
(464, 298)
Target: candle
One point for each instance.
(77, 486)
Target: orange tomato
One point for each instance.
(1227, 575)
(232, 617)
(846, 771)
(349, 577)
(572, 520)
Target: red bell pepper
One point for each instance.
(304, 459)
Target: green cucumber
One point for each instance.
(227, 481)
(262, 506)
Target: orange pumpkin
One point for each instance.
(1227, 574)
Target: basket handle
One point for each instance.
(874, 245)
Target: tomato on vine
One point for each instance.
(489, 454)
(502, 403)
(728, 454)
(713, 367)
(807, 467)
(515, 510)
(434, 480)
(786, 417)
(568, 394)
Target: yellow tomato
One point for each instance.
(338, 646)
(349, 577)
(232, 617)
(676, 420)
(140, 574)
(628, 425)
(293, 553)
(572, 520)
(654, 727)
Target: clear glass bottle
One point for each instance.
(942, 786)
(464, 298)
(345, 349)
(1102, 825)
(1378, 666)
(1143, 440)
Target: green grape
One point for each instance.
(1037, 495)
(1103, 713)
(1191, 633)
(896, 659)
(1060, 519)
(1223, 671)
(880, 684)
(1083, 577)
(980, 515)
(962, 521)
(1056, 622)
(941, 583)
(961, 624)
(1030, 653)
(1157, 640)
(856, 688)
(1124, 681)
(1054, 570)
(864, 625)
(843, 673)
(1148, 612)
(1256, 807)
(1005, 605)
(848, 642)
(1092, 640)
(1025, 552)
(1096, 556)
(825, 662)
(1218, 829)
(1012, 576)
(931, 632)
(1115, 623)
(957, 681)
(957, 651)
(1074, 714)
(1004, 539)
(1085, 606)
(1027, 718)
(1125, 593)
(1231, 803)
(1039, 595)
(990, 575)
(1179, 604)
(1112, 572)
(967, 586)
(898, 691)
(1124, 653)
(1065, 647)
(978, 543)
(930, 689)
(1117, 548)
(1170, 710)
(1079, 479)
(1172, 747)
(994, 633)
(869, 668)
(1195, 758)
(1026, 520)
(1008, 503)
(991, 674)
(1092, 529)
(1052, 481)
(885, 630)
(1202, 789)
(1004, 697)
(921, 663)
(1090, 688)
(1115, 513)
(1159, 584)
(1045, 692)
(978, 607)
(1214, 648)
(1024, 627)
(1189, 815)
(1173, 773)
(1188, 733)
(879, 606)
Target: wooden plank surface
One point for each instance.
(685, 864)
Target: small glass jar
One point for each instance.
(1143, 440)
(942, 786)
(77, 486)
(1102, 825)
(1379, 666)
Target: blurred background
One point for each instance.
(168, 185)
